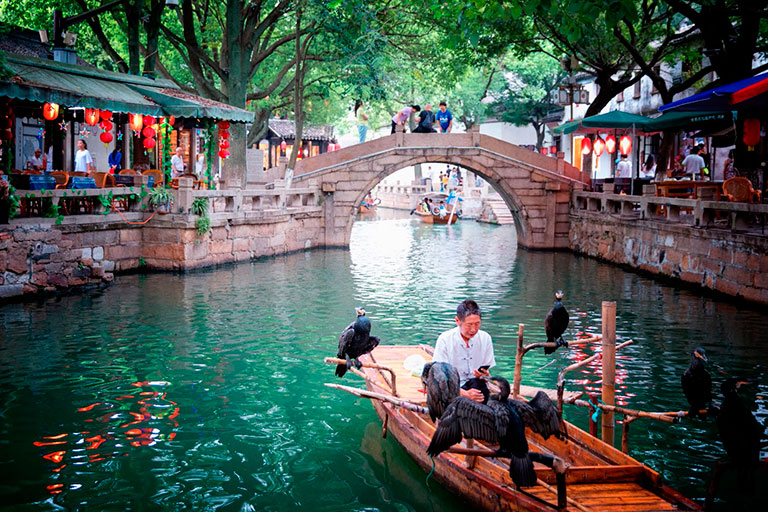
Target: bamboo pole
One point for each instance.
(609, 368)
(364, 393)
(392, 383)
(518, 362)
(660, 416)
(625, 432)
(592, 409)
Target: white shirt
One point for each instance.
(49, 159)
(82, 159)
(693, 164)
(177, 164)
(35, 161)
(451, 348)
(624, 169)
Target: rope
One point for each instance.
(542, 367)
(431, 470)
(129, 222)
(597, 410)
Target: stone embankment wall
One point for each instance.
(42, 257)
(732, 263)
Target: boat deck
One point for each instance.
(599, 477)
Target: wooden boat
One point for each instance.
(434, 216)
(598, 477)
(369, 206)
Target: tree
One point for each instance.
(526, 94)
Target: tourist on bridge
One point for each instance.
(362, 120)
(426, 120)
(445, 118)
(402, 117)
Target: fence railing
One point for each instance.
(693, 212)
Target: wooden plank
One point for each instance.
(595, 474)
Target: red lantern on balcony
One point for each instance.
(599, 146)
(223, 134)
(149, 143)
(751, 135)
(171, 120)
(148, 132)
(224, 153)
(149, 120)
(625, 144)
(51, 111)
(224, 144)
(106, 125)
(136, 122)
(105, 115)
(91, 116)
(586, 146)
(610, 144)
(223, 125)
(105, 137)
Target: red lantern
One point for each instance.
(105, 115)
(105, 137)
(586, 146)
(610, 144)
(148, 132)
(283, 145)
(625, 144)
(224, 144)
(544, 151)
(6, 134)
(51, 111)
(137, 122)
(751, 135)
(171, 120)
(552, 150)
(106, 125)
(149, 120)
(224, 153)
(599, 146)
(224, 125)
(223, 134)
(91, 116)
(149, 143)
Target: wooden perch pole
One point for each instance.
(393, 379)
(609, 368)
(518, 362)
(660, 416)
(364, 393)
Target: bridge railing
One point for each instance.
(264, 201)
(692, 212)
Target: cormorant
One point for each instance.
(697, 384)
(496, 422)
(556, 323)
(441, 381)
(355, 341)
(540, 415)
(740, 432)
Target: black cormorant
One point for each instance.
(355, 341)
(496, 422)
(740, 432)
(556, 323)
(540, 415)
(697, 384)
(441, 381)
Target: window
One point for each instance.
(637, 89)
(620, 97)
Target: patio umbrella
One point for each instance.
(601, 122)
(750, 94)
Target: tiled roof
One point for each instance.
(286, 129)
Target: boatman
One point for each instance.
(469, 350)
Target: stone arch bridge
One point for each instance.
(536, 188)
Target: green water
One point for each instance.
(204, 391)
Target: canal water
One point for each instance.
(204, 391)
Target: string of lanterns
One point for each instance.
(224, 139)
(608, 145)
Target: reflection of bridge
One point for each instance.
(535, 188)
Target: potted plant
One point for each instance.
(161, 198)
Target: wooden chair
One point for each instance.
(157, 175)
(62, 178)
(81, 174)
(103, 179)
(36, 173)
(739, 190)
(127, 171)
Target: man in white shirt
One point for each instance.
(469, 350)
(177, 162)
(694, 163)
(35, 161)
(624, 168)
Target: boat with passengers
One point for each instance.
(439, 208)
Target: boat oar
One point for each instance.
(364, 393)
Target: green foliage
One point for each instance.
(160, 196)
(142, 262)
(203, 225)
(200, 206)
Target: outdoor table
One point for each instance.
(41, 182)
(81, 182)
(688, 189)
(127, 180)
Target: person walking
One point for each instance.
(445, 118)
(362, 120)
(402, 117)
(83, 158)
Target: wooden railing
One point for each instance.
(693, 212)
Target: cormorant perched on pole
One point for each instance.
(355, 341)
(441, 382)
(697, 384)
(496, 422)
(556, 323)
(740, 432)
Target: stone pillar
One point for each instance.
(329, 213)
(183, 196)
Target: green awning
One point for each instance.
(615, 119)
(68, 85)
(688, 120)
(567, 128)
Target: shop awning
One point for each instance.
(68, 85)
(687, 121)
(567, 128)
(603, 122)
(748, 94)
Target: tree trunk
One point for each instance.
(233, 168)
(298, 92)
(133, 19)
(153, 33)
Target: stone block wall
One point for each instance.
(715, 259)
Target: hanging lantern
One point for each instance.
(148, 132)
(105, 137)
(625, 144)
(586, 146)
(552, 150)
(91, 116)
(149, 143)
(283, 145)
(149, 120)
(301, 153)
(223, 134)
(224, 153)
(224, 125)
(51, 111)
(105, 115)
(106, 126)
(171, 120)
(751, 135)
(610, 144)
(599, 146)
(137, 121)
(224, 144)
(544, 151)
